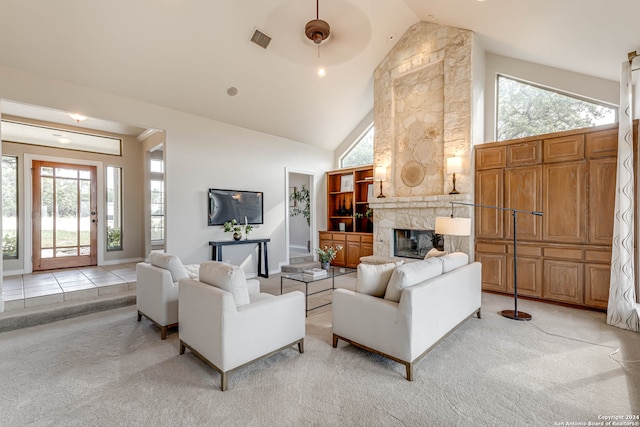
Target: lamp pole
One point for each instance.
(511, 314)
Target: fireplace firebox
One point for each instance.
(416, 243)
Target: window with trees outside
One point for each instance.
(9, 207)
(525, 109)
(361, 153)
(114, 208)
(156, 169)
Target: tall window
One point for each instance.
(9, 207)
(361, 153)
(156, 169)
(114, 208)
(526, 110)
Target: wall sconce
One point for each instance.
(454, 165)
(380, 174)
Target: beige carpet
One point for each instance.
(108, 369)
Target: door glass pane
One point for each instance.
(46, 218)
(44, 171)
(62, 252)
(85, 212)
(66, 173)
(66, 212)
(85, 174)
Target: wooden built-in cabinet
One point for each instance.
(564, 255)
(347, 203)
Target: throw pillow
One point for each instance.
(372, 279)
(227, 277)
(434, 253)
(454, 260)
(169, 262)
(411, 274)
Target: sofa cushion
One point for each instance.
(227, 277)
(192, 271)
(411, 274)
(454, 260)
(169, 262)
(372, 279)
(433, 252)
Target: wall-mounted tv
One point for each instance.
(225, 205)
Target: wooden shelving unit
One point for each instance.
(347, 195)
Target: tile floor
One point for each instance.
(72, 284)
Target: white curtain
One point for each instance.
(622, 310)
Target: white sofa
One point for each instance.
(228, 327)
(157, 289)
(435, 296)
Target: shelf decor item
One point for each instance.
(326, 254)
(237, 228)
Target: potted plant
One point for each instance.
(368, 215)
(303, 205)
(327, 254)
(234, 226)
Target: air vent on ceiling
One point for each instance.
(261, 39)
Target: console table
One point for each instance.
(216, 252)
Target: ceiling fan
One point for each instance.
(317, 30)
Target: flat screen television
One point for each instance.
(225, 205)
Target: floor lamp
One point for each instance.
(511, 314)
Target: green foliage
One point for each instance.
(303, 206)
(368, 214)
(328, 253)
(114, 238)
(9, 186)
(526, 110)
(236, 227)
(9, 246)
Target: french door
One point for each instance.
(64, 215)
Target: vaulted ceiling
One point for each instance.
(186, 54)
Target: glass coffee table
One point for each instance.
(332, 273)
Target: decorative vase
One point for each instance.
(325, 265)
(237, 236)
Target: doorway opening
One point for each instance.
(300, 218)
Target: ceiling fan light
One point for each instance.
(317, 30)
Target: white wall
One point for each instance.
(595, 88)
(200, 153)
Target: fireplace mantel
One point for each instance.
(419, 202)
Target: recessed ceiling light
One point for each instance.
(322, 72)
(77, 117)
(232, 91)
(63, 140)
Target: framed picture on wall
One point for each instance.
(346, 183)
(292, 203)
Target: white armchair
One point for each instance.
(227, 328)
(405, 331)
(157, 289)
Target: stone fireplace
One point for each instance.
(425, 108)
(415, 243)
(416, 213)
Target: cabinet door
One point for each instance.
(602, 144)
(491, 158)
(353, 254)
(596, 285)
(493, 271)
(527, 153)
(565, 191)
(489, 191)
(602, 193)
(564, 148)
(523, 190)
(529, 276)
(563, 281)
